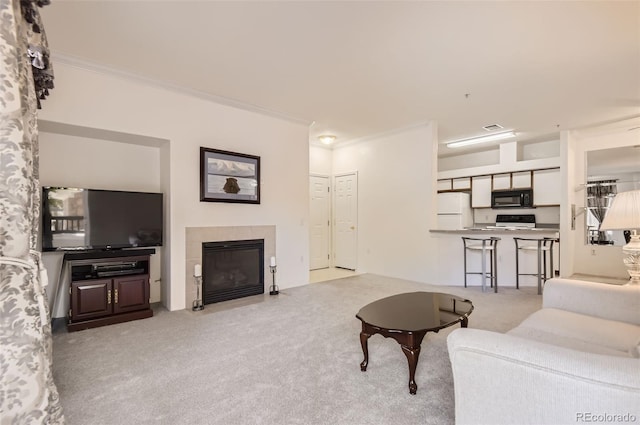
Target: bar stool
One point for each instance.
(542, 246)
(484, 246)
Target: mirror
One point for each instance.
(609, 171)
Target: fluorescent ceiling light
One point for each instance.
(481, 139)
(327, 139)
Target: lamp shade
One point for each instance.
(624, 213)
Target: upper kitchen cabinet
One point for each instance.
(546, 187)
(444, 185)
(481, 192)
(502, 181)
(461, 184)
(515, 180)
(521, 180)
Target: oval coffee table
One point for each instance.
(407, 318)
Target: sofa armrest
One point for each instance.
(607, 301)
(503, 379)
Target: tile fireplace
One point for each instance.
(197, 236)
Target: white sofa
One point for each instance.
(573, 361)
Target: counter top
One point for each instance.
(500, 231)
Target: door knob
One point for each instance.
(353, 228)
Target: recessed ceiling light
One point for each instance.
(327, 139)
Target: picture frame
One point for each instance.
(229, 176)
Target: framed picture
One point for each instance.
(229, 176)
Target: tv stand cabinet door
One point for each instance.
(131, 293)
(90, 299)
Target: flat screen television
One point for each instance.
(91, 219)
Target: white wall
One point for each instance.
(98, 164)
(396, 199)
(592, 259)
(469, 160)
(539, 150)
(98, 100)
(320, 160)
(72, 161)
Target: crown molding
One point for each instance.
(83, 64)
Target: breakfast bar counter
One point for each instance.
(450, 254)
(488, 231)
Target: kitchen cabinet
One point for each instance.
(502, 181)
(546, 187)
(454, 185)
(462, 183)
(481, 192)
(515, 180)
(521, 180)
(444, 185)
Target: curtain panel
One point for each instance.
(28, 394)
(599, 197)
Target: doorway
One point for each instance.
(345, 213)
(320, 222)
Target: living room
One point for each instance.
(115, 129)
(139, 159)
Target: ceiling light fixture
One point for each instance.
(327, 139)
(481, 139)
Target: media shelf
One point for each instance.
(108, 288)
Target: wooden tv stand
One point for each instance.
(108, 289)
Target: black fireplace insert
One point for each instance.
(232, 269)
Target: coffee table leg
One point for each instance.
(364, 338)
(464, 322)
(412, 357)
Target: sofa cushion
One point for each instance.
(579, 332)
(612, 302)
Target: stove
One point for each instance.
(516, 221)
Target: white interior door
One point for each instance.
(346, 220)
(320, 226)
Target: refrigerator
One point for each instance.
(454, 211)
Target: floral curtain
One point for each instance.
(28, 394)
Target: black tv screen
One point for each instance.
(78, 219)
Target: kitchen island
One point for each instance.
(450, 255)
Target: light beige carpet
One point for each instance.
(287, 359)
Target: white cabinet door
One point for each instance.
(444, 184)
(462, 183)
(521, 180)
(502, 181)
(481, 192)
(546, 187)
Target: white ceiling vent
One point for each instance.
(493, 127)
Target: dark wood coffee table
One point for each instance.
(407, 318)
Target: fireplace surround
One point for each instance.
(196, 236)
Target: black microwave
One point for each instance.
(522, 198)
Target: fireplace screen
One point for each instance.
(232, 269)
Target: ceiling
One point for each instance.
(357, 69)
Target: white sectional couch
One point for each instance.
(573, 361)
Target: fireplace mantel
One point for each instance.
(195, 236)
